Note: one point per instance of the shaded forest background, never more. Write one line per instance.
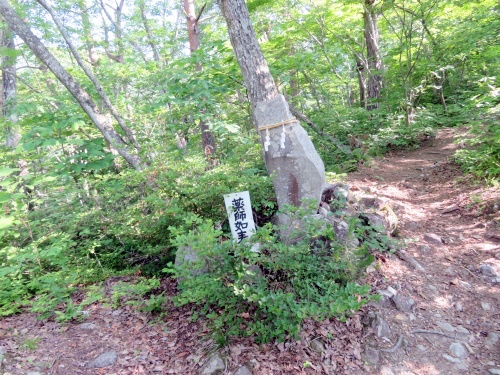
(365, 77)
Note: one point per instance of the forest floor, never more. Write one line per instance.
(448, 323)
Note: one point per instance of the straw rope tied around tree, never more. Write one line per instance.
(267, 142)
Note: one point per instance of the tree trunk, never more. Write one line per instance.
(9, 89)
(297, 170)
(360, 70)
(81, 96)
(88, 72)
(374, 86)
(207, 137)
(145, 23)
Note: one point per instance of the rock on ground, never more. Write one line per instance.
(458, 350)
(213, 366)
(243, 370)
(104, 360)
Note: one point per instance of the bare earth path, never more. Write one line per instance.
(446, 319)
(452, 228)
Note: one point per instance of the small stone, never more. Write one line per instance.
(372, 355)
(459, 307)
(243, 370)
(458, 350)
(433, 239)
(368, 201)
(488, 270)
(384, 301)
(33, 373)
(465, 284)
(377, 221)
(491, 340)
(424, 248)
(377, 323)
(317, 346)
(412, 317)
(323, 211)
(446, 326)
(403, 303)
(494, 371)
(463, 330)
(384, 370)
(432, 287)
(370, 269)
(486, 306)
(104, 360)
(214, 365)
(87, 326)
(385, 293)
(392, 291)
(421, 348)
(451, 359)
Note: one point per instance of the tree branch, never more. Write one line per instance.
(90, 75)
(318, 130)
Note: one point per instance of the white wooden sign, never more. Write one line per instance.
(239, 212)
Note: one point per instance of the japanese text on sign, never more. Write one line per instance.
(239, 213)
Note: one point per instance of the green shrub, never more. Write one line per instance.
(269, 292)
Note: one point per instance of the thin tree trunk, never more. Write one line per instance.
(91, 76)
(374, 86)
(207, 137)
(151, 42)
(9, 90)
(81, 96)
(360, 70)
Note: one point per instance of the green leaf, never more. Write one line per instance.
(7, 171)
(6, 221)
(5, 197)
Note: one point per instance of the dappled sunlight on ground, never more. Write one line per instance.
(449, 228)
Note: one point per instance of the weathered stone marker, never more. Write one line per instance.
(239, 213)
(296, 169)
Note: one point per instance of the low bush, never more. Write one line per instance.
(268, 292)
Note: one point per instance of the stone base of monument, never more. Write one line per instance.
(339, 209)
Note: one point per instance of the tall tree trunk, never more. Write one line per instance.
(82, 97)
(151, 41)
(297, 170)
(374, 86)
(207, 137)
(258, 80)
(360, 70)
(9, 89)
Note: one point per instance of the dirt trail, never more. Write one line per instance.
(451, 229)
